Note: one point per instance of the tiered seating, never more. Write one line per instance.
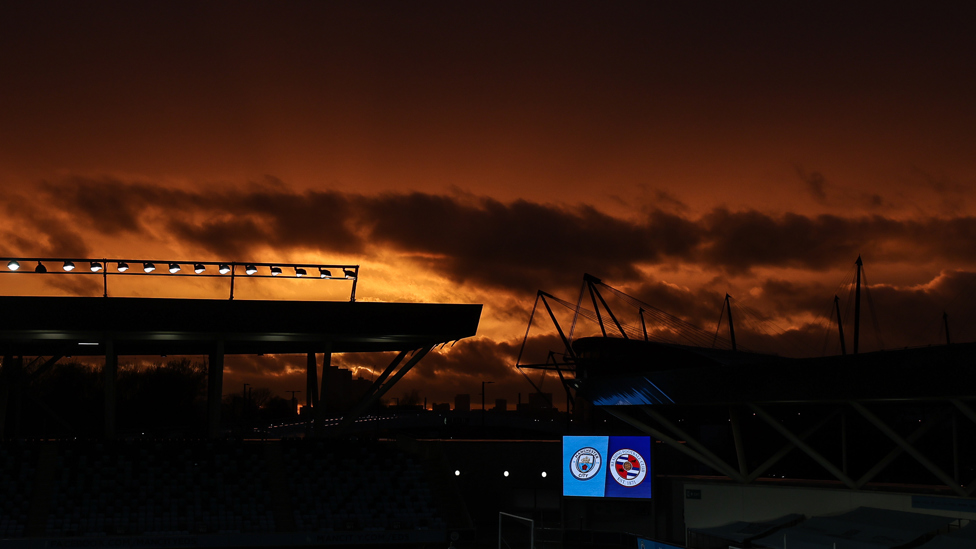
(17, 468)
(369, 487)
(151, 487)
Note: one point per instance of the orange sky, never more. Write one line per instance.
(479, 152)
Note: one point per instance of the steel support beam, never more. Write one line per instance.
(109, 378)
(645, 428)
(724, 467)
(43, 368)
(320, 408)
(311, 381)
(898, 450)
(909, 449)
(368, 401)
(966, 410)
(799, 443)
(789, 447)
(740, 444)
(215, 388)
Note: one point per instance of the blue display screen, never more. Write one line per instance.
(607, 466)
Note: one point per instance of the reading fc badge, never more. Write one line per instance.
(629, 468)
(585, 463)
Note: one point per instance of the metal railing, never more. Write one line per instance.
(106, 267)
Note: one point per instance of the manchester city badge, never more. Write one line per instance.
(585, 463)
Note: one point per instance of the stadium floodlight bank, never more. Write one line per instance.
(106, 267)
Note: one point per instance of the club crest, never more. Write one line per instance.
(629, 468)
(585, 463)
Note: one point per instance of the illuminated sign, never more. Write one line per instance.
(607, 466)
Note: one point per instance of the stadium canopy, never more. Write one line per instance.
(741, 532)
(114, 326)
(963, 538)
(864, 527)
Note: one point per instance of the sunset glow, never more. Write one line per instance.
(477, 153)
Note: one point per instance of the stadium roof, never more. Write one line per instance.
(629, 372)
(145, 326)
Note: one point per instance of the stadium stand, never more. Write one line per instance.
(101, 488)
(17, 466)
(157, 487)
(366, 487)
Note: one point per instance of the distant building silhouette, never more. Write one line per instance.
(501, 405)
(462, 403)
(441, 407)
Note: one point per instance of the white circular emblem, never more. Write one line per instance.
(628, 467)
(585, 463)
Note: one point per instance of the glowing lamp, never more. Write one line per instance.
(174, 267)
(122, 266)
(250, 269)
(148, 267)
(275, 271)
(300, 272)
(223, 268)
(95, 266)
(325, 273)
(68, 266)
(199, 268)
(13, 265)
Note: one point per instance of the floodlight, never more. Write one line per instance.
(325, 273)
(250, 269)
(13, 265)
(300, 272)
(223, 268)
(457, 473)
(68, 266)
(95, 266)
(349, 273)
(40, 268)
(543, 474)
(174, 267)
(198, 268)
(275, 271)
(122, 266)
(148, 267)
(505, 473)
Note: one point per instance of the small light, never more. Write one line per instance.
(68, 266)
(299, 272)
(349, 273)
(223, 268)
(95, 266)
(275, 271)
(543, 474)
(40, 268)
(199, 268)
(325, 273)
(148, 267)
(174, 267)
(457, 473)
(250, 269)
(13, 265)
(505, 473)
(122, 266)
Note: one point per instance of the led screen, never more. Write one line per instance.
(607, 466)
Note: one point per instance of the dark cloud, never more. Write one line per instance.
(815, 184)
(519, 245)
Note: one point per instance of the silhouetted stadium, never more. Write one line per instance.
(868, 450)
